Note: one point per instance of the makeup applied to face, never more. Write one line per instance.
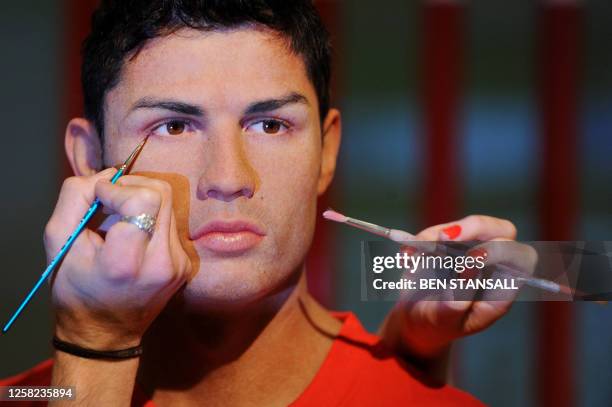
(235, 130)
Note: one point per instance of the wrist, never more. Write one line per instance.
(88, 353)
(97, 338)
(93, 378)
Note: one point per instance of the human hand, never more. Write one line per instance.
(425, 328)
(108, 290)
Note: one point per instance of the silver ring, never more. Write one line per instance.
(144, 222)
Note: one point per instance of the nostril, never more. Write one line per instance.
(212, 194)
(228, 197)
(247, 192)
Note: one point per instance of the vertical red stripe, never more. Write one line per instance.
(321, 259)
(443, 50)
(442, 79)
(78, 16)
(560, 54)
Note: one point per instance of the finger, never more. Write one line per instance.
(164, 254)
(473, 227)
(164, 190)
(128, 200)
(478, 227)
(76, 196)
(170, 263)
(519, 257)
(420, 247)
(108, 222)
(490, 305)
(509, 260)
(125, 244)
(425, 283)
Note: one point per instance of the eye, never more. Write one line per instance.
(268, 126)
(171, 128)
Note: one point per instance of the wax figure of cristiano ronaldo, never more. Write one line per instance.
(234, 95)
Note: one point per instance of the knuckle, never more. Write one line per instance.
(164, 186)
(71, 184)
(121, 273)
(476, 222)
(50, 232)
(144, 198)
(470, 217)
(118, 272)
(429, 234)
(165, 190)
(149, 196)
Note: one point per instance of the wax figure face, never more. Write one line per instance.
(236, 131)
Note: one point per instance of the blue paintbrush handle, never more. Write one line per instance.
(60, 255)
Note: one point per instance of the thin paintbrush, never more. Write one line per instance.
(59, 256)
(400, 236)
(394, 234)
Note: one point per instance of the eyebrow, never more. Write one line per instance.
(193, 110)
(171, 105)
(273, 104)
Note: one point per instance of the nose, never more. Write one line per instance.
(227, 174)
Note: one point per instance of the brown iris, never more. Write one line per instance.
(175, 127)
(271, 126)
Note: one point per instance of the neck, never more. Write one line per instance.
(265, 353)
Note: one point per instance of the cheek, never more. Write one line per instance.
(289, 191)
(115, 151)
(291, 173)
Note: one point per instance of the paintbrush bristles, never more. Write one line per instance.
(330, 214)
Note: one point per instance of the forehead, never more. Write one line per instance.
(226, 67)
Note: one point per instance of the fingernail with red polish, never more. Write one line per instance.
(409, 250)
(478, 252)
(470, 273)
(474, 271)
(452, 231)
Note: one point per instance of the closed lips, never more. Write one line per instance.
(228, 236)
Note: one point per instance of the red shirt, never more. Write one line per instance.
(358, 371)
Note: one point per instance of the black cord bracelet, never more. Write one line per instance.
(75, 350)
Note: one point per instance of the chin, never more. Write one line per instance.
(231, 283)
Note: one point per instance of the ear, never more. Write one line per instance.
(83, 147)
(332, 132)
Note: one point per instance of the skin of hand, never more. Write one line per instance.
(424, 329)
(91, 290)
